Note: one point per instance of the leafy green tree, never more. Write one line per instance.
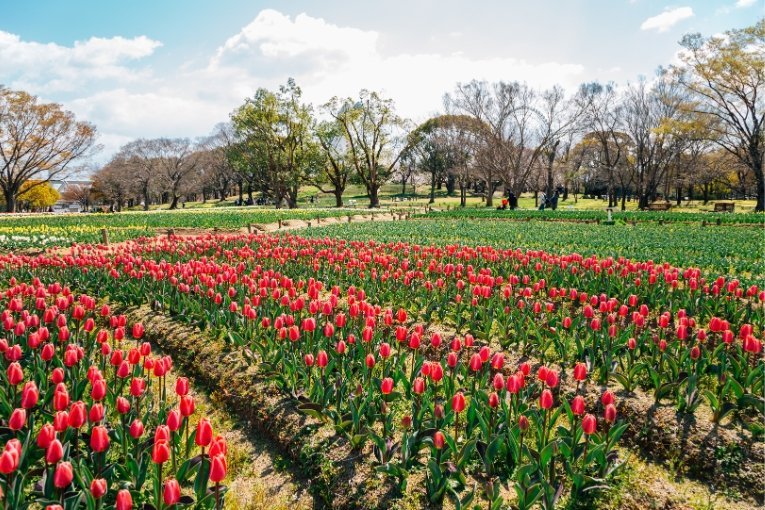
(276, 144)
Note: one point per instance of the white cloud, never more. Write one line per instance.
(667, 19)
(745, 3)
(106, 82)
(48, 68)
(328, 60)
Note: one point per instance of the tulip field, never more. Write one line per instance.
(472, 364)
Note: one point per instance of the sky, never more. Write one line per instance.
(175, 68)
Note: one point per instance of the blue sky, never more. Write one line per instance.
(175, 68)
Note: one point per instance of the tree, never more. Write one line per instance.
(275, 134)
(218, 172)
(80, 193)
(38, 142)
(38, 195)
(374, 134)
(656, 121)
(335, 167)
(726, 76)
(136, 159)
(602, 116)
(113, 182)
(175, 161)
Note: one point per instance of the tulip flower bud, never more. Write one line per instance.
(589, 424)
(439, 440)
(124, 500)
(98, 488)
(172, 492)
(63, 475)
(218, 468)
(546, 400)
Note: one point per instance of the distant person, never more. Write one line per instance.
(554, 201)
(542, 201)
(513, 201)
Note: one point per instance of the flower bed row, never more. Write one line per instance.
(87, 418)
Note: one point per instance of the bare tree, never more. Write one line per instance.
(113, 182)
(374, 134)
(654, 122)
(38, 142)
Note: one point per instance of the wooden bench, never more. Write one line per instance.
(725, 206)
(659, 206)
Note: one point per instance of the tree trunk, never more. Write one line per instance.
(624, 199)
(403, 187)
(10, 200)
(450, 185)
(374, 199)
(146, 198)
(758, 178)
(705, 193)
(490, 187)
(338, 197)
(432, 189)
(174, 202)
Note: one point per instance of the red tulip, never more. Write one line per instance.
(386, 386)
(160, 452)
(493, 400)
(124, 500)
(475, 363)
(186, 405)
(523, 423)
(589, 424)
(610, 413)
(9, 462)
(63, 475)
(46, 435)
(137, 386)
(419, 386)
(204, 433)
(29, 395)
(98, 488)
(99, 439)
(96, 413)
(18, 419)
(77, 415)
(458, 402)
(552, 378)
(54, 452)
(123, 405)
(136, 429)
(546, 399)
(181, 386)
(438, 439)
(577, 405)
(580, 372)
(138, 330)
(607, 398)
(172, 492)
(14, 373)
(218, 469)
